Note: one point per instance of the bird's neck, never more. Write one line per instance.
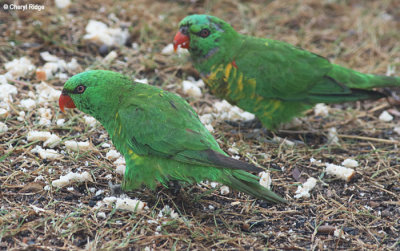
(223, 53)
(105, 106)
(110, 119)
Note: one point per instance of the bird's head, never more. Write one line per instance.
(93, 92)
(204, 35)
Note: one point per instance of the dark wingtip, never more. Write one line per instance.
(241, 182)
(368, 94)
(228, 162)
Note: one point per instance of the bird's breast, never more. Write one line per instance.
(228, 82)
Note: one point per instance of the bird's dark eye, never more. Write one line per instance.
(204, 33)
(80, 89)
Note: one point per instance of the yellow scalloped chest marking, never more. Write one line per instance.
(132, 154)
(234, 80)
(270, 107)
(212, 78)
(115, 128)
(251, 84)
(276, 104)
(240, 82)
(228, 69)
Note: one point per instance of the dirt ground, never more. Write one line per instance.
(365, 212)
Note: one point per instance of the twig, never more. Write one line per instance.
(19, 82)
(388, 141)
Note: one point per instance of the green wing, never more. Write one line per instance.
(288, 73)
(159, 123)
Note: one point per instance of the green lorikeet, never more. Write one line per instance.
(272, 79)
(159, 134)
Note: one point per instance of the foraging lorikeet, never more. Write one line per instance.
(272, 79)
(159, 134)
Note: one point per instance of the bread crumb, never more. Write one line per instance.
(265, 179)
(341, 172)
(304, 190)
(77, 146)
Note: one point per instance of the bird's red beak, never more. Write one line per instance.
(65, 101)
(181, 40)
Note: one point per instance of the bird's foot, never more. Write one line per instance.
(393, 96)
(115, 189)
(249, 124)
(174, 186)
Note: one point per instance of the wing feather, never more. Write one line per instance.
(162, 124)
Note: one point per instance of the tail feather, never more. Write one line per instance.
(358, 80)
(248, 183)
(353, 95)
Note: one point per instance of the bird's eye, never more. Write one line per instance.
(80, 89)
(204, 33)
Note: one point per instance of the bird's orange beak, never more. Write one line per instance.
(181, 40)
(65, 101)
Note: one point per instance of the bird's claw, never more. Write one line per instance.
(249, 124)
(115, 189)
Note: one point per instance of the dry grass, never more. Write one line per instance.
(363, 35)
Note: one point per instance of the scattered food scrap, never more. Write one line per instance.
(385, 117)
(52, 141)
(169, 50)
(123, 203)
(46, 93)
(18, 67)
(90, 121)
(265, 179)
(341, 172)
(71, 178)
(38, 135)
(76, 146)
(120, 165)
(333, 138)
(111, 56)
(321, 109)
(61, 4)
(113, 154)
(304, 190)
(130, 204)
(191, 89)
(224, 190)
(3, 127)
(28, 103)
(99, 32)
(225, 111)
(350, 163)
(46, 153)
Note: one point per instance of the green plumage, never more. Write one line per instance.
(159, 134)
(272, 79)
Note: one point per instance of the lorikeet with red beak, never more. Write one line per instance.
(272, 79)
(159, 134)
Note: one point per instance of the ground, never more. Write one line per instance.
(363, 35)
